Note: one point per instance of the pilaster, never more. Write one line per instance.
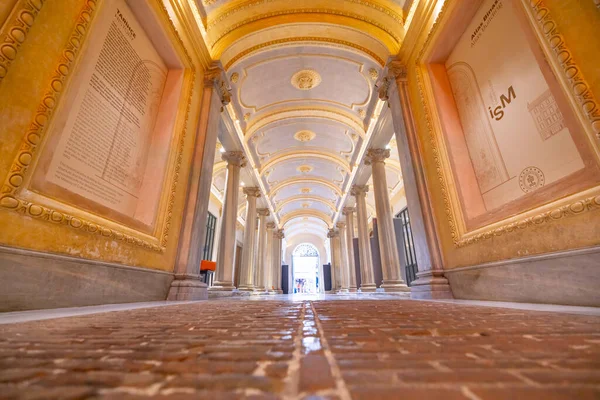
(349, 214)
(431, 282)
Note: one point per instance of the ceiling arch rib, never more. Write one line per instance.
(227, 25)
(289, 200)
(305, 154)
(306, 180)
(306, 213)
(345, 118)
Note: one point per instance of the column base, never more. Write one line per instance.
(430, 285)
(246, 288)
(187, 288)
(343, 291)
(353, 290)
(394, 286)
(368, 288)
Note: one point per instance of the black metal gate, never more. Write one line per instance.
(209, 241)
(411, 258)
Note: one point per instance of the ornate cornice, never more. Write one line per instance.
(252, 192)
(396, 71)
(376, 155)
(341, 225)
(236, 158)
(279, 234)
(16, 29)
(359, 190)
(332, 233)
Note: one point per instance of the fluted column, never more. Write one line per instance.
(277, 238)
(259, 268)
(247, 265)
(226, 250)
(269, 279)
(344, 265)
(364, 244)
(431, 282)
(332, 234)
(388, 248)
(349, 214)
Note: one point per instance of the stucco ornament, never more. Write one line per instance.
(306, 79)
(305, 136)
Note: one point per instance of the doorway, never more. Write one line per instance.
(305, 267)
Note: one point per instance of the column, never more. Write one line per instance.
(259, 268)
(277, 238)
(430, 282)
(364, 244)
(226, 250)
(332, 234)
(187, 285)
(269, 279)
(344, 265)
(349, 214)
(247, 264)
(390, 260)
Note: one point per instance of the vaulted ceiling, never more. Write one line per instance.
(302, 75)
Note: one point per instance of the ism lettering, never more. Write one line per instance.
(498, 112)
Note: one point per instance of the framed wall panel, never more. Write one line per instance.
(516, 146)
(104, 151)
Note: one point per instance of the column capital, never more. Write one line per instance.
(332, 233)
(279, 234)
(214, 76)
(396, 71)
(348, 211)
(359, 190)
(376, 155)
(252, 192)
(341, 225)
(271, 225)
(236, 158)
(263, 212)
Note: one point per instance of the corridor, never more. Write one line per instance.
(302, 347)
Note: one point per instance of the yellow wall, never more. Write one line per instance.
(578, 23)
(21, 92)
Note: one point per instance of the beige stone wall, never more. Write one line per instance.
(47, 50)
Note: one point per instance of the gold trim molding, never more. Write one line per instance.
(580, 89)
(15, 30)
(302, 40)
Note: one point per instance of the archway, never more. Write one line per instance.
(305, 267)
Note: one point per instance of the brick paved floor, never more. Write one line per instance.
(359, 349)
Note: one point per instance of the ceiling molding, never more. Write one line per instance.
(302, 41)
(347, 119)
(304, 197)
(292, 155)
(306, 213)
(381, 31)
(306, 180)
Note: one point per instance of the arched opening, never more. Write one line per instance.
(305, 267)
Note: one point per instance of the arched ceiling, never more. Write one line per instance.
(302, 75)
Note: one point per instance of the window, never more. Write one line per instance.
(209, 242)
